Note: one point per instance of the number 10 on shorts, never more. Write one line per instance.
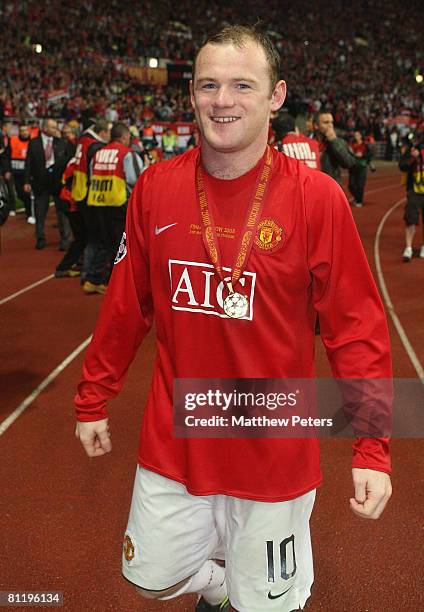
(287, 558)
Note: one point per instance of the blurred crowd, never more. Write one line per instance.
(357, 60)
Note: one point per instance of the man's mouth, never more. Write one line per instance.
(224, 119)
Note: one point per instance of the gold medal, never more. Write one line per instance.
(236, 305)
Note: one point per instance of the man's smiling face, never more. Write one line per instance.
(233, 96)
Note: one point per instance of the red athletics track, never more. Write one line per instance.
(63, 514)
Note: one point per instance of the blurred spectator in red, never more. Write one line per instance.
(291, 142)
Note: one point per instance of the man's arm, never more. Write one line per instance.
(27, 169)
(125, 318)
(341, 152)
(133, 167)
(353, 324)
(5, 161)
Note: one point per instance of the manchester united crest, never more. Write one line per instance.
(270, 236)
(128, 548)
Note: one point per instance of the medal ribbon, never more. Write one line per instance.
(250, 226)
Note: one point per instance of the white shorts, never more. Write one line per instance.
(266, 546)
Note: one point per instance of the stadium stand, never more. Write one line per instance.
(81, 60)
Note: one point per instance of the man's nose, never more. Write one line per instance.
(224, 97)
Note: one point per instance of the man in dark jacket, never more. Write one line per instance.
(358, 173)
(335, 153)
(44, 165)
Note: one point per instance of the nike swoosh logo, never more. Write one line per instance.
(159, 230)
(271, 596)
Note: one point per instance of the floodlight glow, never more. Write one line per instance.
(153, 62)
(38, 48)
(419, 78)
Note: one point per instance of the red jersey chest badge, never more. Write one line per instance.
(270, 236)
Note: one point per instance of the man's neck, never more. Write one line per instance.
(230, 165)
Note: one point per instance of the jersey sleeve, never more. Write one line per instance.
(125, 318)
(352, 319)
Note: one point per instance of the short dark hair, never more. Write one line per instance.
(101, 125)
(317, 114)
(118, 130)
(238, 35)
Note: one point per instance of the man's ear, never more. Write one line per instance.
(278, 95)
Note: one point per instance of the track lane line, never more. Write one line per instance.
(389, 304)
(21, 291)
(8, 421)
(382, 188)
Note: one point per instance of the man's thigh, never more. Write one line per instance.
(268, 554)
(170, 533)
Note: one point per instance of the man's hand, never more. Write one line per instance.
(372, 492)
(95, 437)
(27, 188)
(330, 133)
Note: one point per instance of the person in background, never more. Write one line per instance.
(34, 129)
(335, 153)
(169, 143)
(71, 263)
(18, 151)
(5, 166)
(411, 162)
(309, 127)
(148, 136)
(290, 141)
(69, 133)
(194, 139)
(44, 166)
(90, 141)
(358, 172)
(137, 146)
(136, 143)
(113, 174)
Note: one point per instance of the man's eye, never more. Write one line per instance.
(243, 86)
(208, 86)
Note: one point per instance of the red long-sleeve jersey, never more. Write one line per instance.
(306, 258)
